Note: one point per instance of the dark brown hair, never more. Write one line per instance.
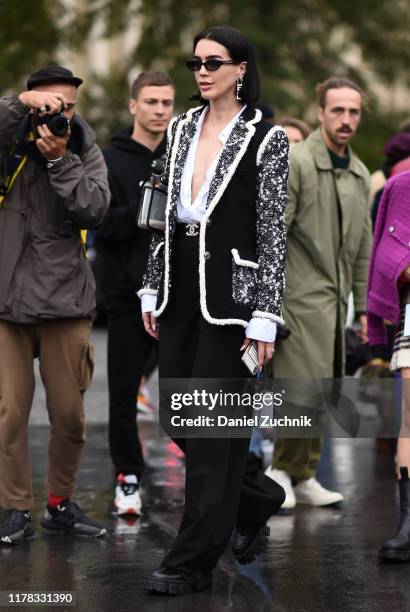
(151, 77)
(300, 125)
(336, 83)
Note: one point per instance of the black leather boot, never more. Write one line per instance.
(248, 545)
(170, 582)
(398, 548)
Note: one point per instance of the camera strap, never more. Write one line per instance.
(16, 162)
(83, 236)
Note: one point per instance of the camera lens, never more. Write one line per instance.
(58, 125)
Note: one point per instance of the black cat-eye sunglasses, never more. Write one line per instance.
(211, 65)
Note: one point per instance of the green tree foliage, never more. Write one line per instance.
(29, 37)
(297, 44)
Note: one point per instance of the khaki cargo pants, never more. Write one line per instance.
(66, 365)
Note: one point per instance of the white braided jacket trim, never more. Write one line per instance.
(267, 315)
(262, 146)
(158, 248)
(180, 125)
(250, 125)
(146, 291)
(246, 263)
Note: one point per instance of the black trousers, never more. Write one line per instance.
(130, 349)
(215, 467)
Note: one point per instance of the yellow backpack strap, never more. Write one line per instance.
(83, 234)
(9, 182)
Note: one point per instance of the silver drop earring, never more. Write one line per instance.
(239, 84)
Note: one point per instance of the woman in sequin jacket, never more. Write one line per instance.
(215, 282)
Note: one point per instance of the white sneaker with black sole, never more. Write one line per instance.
(127, 500)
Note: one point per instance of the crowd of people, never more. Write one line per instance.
(268, 231)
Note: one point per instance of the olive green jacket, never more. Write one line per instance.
(328, 249)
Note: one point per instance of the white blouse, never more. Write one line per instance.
(188, 211)
(258, 328)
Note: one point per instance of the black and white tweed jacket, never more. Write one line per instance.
(242, 238)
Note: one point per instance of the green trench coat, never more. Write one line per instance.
(326, 259)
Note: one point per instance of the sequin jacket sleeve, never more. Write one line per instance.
(151, 279)
(270, 225)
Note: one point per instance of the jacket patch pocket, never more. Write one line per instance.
(394, 246)
(86, 367)
(244, 280)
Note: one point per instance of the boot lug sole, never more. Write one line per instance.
(167, 587)
(394, 556)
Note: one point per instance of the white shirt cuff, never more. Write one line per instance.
(148, 302)
(260, 328)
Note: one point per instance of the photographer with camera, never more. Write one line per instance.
(53, 182)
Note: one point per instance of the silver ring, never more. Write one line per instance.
(42, 109)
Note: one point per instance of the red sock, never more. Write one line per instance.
(55, 500)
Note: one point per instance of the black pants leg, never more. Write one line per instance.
(129, 347)
(215, 467)
(152, 361)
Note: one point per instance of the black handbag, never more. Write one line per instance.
(151, 212)
(154, 195)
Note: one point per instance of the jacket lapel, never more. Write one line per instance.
(344, 187)
(183, 137)
(232, 154)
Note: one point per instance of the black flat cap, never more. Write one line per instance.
(52, 74)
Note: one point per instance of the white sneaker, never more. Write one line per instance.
(127, 526)
(145, 404)
(312, 493)
(284, 481)
(127, 496)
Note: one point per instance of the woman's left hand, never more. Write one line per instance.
(265, 350)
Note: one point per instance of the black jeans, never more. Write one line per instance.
(130, 349)
(189, 347)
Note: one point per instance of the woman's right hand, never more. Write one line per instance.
(150, 324)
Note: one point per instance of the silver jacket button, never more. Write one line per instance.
(207, 255)
(391, 229)
(209, 222)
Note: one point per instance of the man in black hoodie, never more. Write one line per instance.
(123, 249)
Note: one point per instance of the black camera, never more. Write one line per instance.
(57, 123)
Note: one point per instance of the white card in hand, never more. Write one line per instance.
(406, 331)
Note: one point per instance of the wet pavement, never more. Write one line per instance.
(317, 559)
